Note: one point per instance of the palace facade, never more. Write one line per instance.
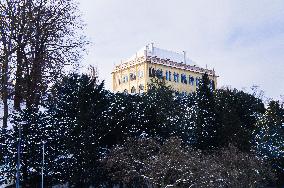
(182, 74)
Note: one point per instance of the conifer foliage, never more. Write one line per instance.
(76, 105)
(269, 136)
(206, 123)
(237, 114)
(93, 137)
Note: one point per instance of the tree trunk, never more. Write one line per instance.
(18, 85)
(5, 90)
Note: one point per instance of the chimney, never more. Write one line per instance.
(184, 57)
(146, 51)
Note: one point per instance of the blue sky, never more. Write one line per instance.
(242, 40)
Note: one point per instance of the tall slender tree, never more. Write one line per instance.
(269, 137)
(46, 35)
(206, 124)
(7, 48)
(39, 38)
(237, 113)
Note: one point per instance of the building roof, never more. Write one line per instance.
(165, 57)
(151, 51)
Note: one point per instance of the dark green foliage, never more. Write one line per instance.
(31, 129)
(76, 106)
(81, 122)
(160, 111)
(269, 137)
(206, 123)
(157, 113)
(120, 119)
(237, 113)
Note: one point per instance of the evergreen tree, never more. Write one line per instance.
(120, 119)
(237, 113)
(31, 130)
(161, 111)
(206, 124)
(70, 128)
(269, 137)
(76, 105)
(186, 117)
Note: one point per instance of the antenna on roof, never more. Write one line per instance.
(184, 57)
(152, 46)
(146, 51)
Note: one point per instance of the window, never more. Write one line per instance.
(153, 72)
(141, 88)
(125, 79)
(132, 76)
(167, 75)
(197, 81)
(191, 80)
(183, 78)
(133, 90)
(213, 85)
(170, 75)
(140, 74)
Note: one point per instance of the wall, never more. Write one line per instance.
(145, 79)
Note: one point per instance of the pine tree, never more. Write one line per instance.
(31, 130)
(237, 113)
(269, 136)
(76, 105)
(161, 111)
(186, 117)
(206, 124)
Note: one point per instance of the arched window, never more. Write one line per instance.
(133, 90)
(140, 74)
(159, 73)
(132, 76)
(213, 85)
(141, 88)
(167, 75)
(153, 72)
(192, 80)
(175, 77)
(197, 81)
(183, 78)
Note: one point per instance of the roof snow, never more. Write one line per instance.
(152, 51)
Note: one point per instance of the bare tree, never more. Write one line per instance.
(38, 39)
(147, 163)
(7, 28)
(53, 42)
